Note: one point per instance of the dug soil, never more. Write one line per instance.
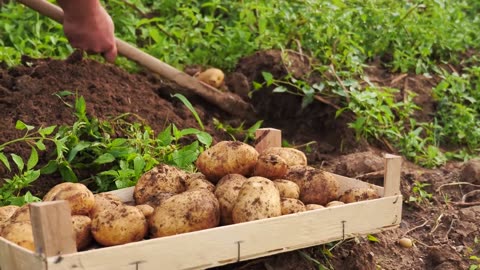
(443, 232)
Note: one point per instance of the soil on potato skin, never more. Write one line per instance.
(442, 232)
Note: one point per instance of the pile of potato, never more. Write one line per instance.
(234, 184)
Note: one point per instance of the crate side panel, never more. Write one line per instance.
(222, 245)
(346, 183)
(14, 257)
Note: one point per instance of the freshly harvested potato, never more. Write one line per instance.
(21, 214)
(185, 212)
(198, 180)
(78, 196)
(119, 225)
(298, 174)
(320, 187)
(146, 209)
(6, 212)
(19, 233)
(82, 226)
(212, 76)
(258, 199)
(313, 206)
(358, 194)
(291, 156)
(287, 188)
(227, 192)
(104, 201)
(157, 199)
(227, 157)
(270, 166)
(290, 206)
(334, 203)
(162, 178)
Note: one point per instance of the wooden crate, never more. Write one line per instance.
(211, 247)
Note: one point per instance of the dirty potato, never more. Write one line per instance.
(21, 214)
(291, 156)
(6, 212)
(313, 206)
(82, 228)
(104, 201)
(185, 212)
(78, 196)
(287, 188)
(359, 194)
(198, 180)
(298, 174)
(320, 187)
(270, 166)
(334, 203)
(19, 233)
(290, 206)
(227, 191)
(119, 225)
(258, 199)
(212, 76)
(227, 157)
(163, 178)
(146, 209)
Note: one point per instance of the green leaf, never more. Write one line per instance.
(46, 131)
(19, 161)
(80, 106)
(67, 173)
(205, 138)
(118, 142)
(280, 89)
(4, 160)
(186, 156)
(33, 159)
(105, 158)
(40, 145)
(138, 165)
(77, 148)
(372, 238)
(268, 77)
(165, 137)
(50, 168)
(20, 125)
(64, 93)
(191, 108)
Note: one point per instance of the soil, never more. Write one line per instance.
(443, 232)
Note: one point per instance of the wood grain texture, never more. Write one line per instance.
(267, 137)
(393, 168)
(15, 257)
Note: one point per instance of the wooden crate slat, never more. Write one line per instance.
(218, 246)
(14, 257)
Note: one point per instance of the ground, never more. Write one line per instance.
(444, 233)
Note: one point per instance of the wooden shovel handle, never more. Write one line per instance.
(228, 102)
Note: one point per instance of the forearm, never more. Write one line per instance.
(79, 9)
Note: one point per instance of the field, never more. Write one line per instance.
(345, 81)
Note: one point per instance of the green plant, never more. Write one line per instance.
(419, 194)
(235, 133)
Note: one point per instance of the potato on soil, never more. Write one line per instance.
(185, 212)
(6, 212)
(20, 233)
(78, 196)
(270, 166)
(334, 203)
(258, 199)
(290, 206)
(227, 191)
(212, 76)
(227, 157)
(82, 228)
(291, 156)
(358, 194)
(313, 206)
(119, 225)
(198, 180)
(146, 209)
(163, 178)
(287, 188)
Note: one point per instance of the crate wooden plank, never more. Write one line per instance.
(266, 138)
(227, 244)
(14, 257)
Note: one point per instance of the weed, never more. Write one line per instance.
(247, 135)
(419, 194)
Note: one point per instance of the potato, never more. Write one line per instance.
(104, 201)
(358, 194)
(334, 203)
(78, 196)
(258, 199)
(185, 212)
(119, 225)
(270, 166)
(21, 214)
(316, 186)
(291, 156)
(313, 206)
(163, 178)
(227, 157)
(212, 76)
(287, 188)
(157, 199)
(290, 206)
(82, 226)
(6, 212)
(146, 209)
(227, 192)
(19, 233)
(198, 180)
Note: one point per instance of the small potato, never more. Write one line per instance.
(198, 180)
(320, 187)
(290, 206)
(146, 209)
(104, 201)
(163, 178)
(78, 196)
(227, 157)
(258, 199)
(227, 191)
(19, 233)
(119, 225)
(334, 203)
(82, 226)
(270, 166)
(299, 173)
(359, 194)
(185, 212)
(291, 156)
(212, 76)
(312, 206)
(287, 188)
(6, 212)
